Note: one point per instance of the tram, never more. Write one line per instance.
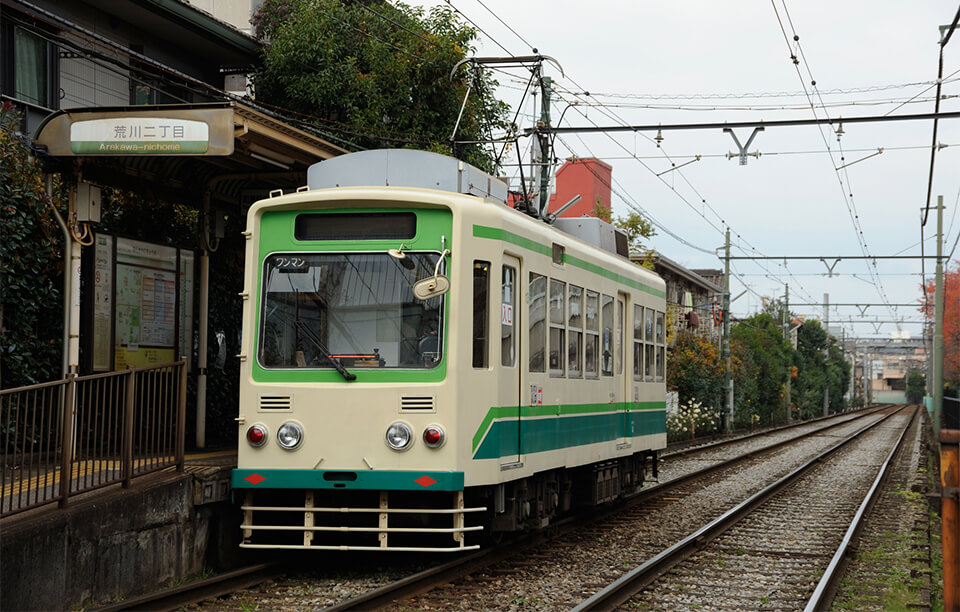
(424, 367)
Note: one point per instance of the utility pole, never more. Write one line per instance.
(545, 153)
(786, 335)
(826, 328)
(938, 323)
(843, 353)
(727, 380)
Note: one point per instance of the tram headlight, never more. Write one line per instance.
(290, 435)
(433, 436)
(257, 435)
(399, 436)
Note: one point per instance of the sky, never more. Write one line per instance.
(653, 63)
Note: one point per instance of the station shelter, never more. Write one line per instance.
(146, 97)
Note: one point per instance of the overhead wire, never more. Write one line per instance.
(757, 95)
(614, 117)
(933, 152)
(846, 191)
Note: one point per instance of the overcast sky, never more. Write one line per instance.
(708, 62)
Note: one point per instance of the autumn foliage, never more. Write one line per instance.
(951, 320)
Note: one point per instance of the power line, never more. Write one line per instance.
(846, 193)
(756, 95)
(738, 124)
(507, 25)
(760, 107)
(479, 29)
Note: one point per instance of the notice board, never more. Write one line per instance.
(143, 303)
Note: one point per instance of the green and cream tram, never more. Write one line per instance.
(423, 365)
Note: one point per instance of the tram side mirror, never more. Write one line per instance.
(431, 287)
(435, 285)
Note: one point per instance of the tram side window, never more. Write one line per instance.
(508, 309)
(661, 342)
(558, 322)
(481, 312)
(575, 332)
(637, 342)
(651, 347)
(591, 364)
(619, 337)
(606, 363)
(537, 306)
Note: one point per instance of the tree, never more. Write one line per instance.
(31, 265)
(951, 321)
(821, 365)
(767, 357)
(916, 387)
(694, 370)
(378, 75)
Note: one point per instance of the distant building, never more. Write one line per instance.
(590, 179)
(712, 275)
(692, 300)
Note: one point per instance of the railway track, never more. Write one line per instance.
(567, 564)
(573, 565)
(770, 550)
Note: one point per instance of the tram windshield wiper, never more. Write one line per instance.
(317, 342)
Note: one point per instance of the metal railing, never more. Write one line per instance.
(82, 433)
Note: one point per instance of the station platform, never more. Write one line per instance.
(115, 542)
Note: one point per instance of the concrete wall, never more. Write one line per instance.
(113, 544)
(890, 397)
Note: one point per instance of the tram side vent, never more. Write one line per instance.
(417, 402)
(276, 402)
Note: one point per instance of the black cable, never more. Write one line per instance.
(401, 26)
(522, 39)
(479, 29)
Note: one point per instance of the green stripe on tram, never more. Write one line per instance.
(495, 233)
(546, 428)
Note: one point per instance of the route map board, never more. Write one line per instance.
(136, 303)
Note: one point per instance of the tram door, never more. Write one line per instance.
(621, 373)
(509, 355)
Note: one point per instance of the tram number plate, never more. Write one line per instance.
(506, 314)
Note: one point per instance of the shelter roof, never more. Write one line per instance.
(244, 149)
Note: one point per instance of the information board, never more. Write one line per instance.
(143, 303)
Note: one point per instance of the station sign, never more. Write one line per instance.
(147, 131)
(139, 136)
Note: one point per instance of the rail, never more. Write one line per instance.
(622, 589)
(83, 433)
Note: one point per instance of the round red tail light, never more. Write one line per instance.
(257, 435)
(433, 436)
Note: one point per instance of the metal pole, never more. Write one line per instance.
(73, 348)
(545, 153)
(727, 380)
(202, 327)
(826, 362)
(66, 452)
(181, 412)
(202, 330)
(67, 249)
(786, 335)
(126, 446)
(938, 322)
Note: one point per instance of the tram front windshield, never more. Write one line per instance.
(355, 309)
